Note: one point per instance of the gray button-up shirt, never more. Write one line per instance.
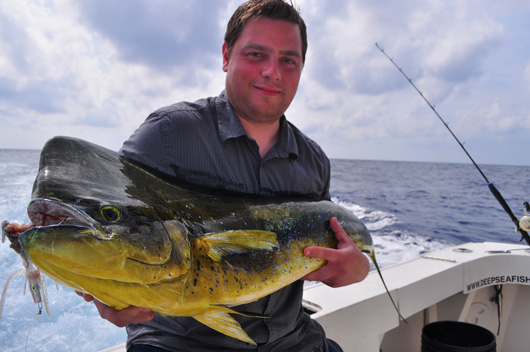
(203, 143)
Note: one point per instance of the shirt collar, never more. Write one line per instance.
(230, 127)
(286, 147)
(227, 120)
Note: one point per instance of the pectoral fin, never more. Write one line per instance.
(222, 322)
(237, 241)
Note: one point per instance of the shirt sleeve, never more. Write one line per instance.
(327, 178)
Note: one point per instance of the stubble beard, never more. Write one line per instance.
(258, 113)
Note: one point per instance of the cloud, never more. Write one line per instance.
(449, 49)
(526, 74)
(163, 35)
(461, 50)
(35, 96)
(57, 71)
(14, 51)
(96, 69)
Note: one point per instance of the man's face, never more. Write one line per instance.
(263, 69)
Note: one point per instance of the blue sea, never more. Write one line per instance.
(409, 207)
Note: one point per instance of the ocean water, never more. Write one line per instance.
(410, 208)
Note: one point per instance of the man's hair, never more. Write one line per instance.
(272, 9)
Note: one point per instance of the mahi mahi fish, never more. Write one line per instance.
(110, 227)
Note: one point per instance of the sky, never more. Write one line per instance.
(95, 69)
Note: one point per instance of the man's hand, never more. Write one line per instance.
(120, 318)
(345, 265)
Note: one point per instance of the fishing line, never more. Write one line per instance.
(6, 285)
(491, 186)
(31, 327)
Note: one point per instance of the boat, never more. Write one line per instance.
(454, 284)
(486, 285)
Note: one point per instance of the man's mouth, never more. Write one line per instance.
(269, 91)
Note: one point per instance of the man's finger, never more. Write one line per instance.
(318, 252)
(126, 316)
(86, 296)
(339, 232)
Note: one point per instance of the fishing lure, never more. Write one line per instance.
(34, 278)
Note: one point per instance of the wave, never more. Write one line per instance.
(392, 246)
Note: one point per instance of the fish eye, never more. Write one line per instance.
(110, 213)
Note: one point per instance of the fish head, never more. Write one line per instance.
(89, 226)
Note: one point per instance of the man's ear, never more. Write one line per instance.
(226, 58)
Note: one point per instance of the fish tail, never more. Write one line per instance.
(372, 255)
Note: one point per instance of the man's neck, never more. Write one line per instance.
(265, 134)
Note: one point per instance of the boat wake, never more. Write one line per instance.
(392, 246)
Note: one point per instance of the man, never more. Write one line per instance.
(241, 141)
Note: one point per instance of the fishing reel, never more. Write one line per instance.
(524, 222)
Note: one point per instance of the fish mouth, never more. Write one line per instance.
(51, 213)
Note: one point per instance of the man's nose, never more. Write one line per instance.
(271, 70)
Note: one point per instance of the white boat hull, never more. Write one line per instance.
(451, 284)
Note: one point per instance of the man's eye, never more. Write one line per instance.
(290, 62)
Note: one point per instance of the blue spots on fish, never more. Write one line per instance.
(239, 282)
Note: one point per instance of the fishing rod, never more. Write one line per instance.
(491, 186)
